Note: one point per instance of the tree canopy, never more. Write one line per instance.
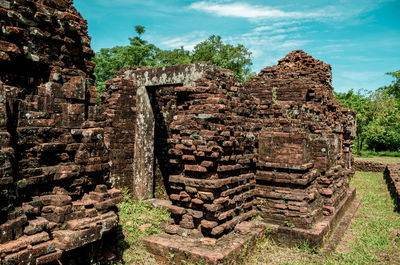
(141, 53)
(378, 116)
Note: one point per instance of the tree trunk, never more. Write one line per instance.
(358, 146)
(361, 145)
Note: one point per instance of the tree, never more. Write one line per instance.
(384, 128)
(236, 58)
(394, 88)
(378, 119)
(171, 57)
(110, 60)
(140, 29)
(360, 103)
(141, 53)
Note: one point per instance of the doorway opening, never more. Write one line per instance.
(156, 109)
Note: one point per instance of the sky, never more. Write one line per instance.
(360, 39)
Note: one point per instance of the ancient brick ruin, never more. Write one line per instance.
(53, 160)
(278, 146)
(392, 177)
(369, 166)
(304, 155)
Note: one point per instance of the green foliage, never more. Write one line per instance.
(110, 60)
(382, 154)
(140, 29)
(384, 128)
(171, 57)
(141, 53)
(394, 88)
(213, 50)
(378, 116)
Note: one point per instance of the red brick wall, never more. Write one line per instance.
(306, 138)
(280, 143)
(53, 160)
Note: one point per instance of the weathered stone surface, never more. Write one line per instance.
(280, 143)
(52, 150)
(304, 160)
(369, 166)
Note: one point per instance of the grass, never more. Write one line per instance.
(381, 159)
(381, 153)
(373, 237)
(134, 214)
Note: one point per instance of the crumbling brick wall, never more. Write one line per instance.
(304, 158)
(280, 143)
(392, 177)
(208, 144)
(53, 160)
(369, 166)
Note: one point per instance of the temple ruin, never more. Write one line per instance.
(278, 146)
(54, 163)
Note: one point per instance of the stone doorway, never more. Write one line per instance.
(156, 105)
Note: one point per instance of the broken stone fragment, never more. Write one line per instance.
(23, 242)
(244, 227)
(208, 241)
(187, 221)
(35, 226)
(208, 224)
(143, 227)
(172, 229)
(56, 200)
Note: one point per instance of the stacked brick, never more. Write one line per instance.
(213, 155)
(280, 143)
(369, 166)
(120, 111)
(204, 140)
(53, 160)
(304, 158)
(392, 176)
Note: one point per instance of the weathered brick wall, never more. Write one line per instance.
(280, 143)
(204, 140)
(213, 150)
(369, 166)
(53, 161)
(119, 105)
(392, 176)
(304, 159)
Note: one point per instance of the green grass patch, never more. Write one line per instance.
(133, 214)
(376, 227)
(381, 159)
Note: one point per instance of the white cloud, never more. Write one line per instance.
(188, 41)
(244, 10)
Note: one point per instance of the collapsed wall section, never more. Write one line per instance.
(306, 140)
(202, 132)
(280, 143)
(53, 161)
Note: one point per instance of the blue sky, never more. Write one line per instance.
(359, 38)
